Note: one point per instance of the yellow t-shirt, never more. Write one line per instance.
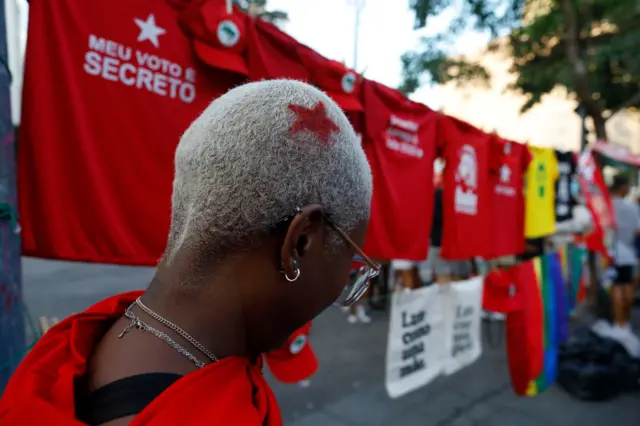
(540, 213)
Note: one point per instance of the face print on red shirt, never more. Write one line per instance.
(465, 150)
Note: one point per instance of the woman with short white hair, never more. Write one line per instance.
(270, 203)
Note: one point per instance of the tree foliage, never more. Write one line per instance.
(590, 47)
(258, 8)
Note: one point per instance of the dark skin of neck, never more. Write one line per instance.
(219, 324)
(240, 306)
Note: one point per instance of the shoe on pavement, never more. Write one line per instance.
(602, 328)
(625, 336)
(352, 319)
(621, 334)
(497, 316)
(361, 313)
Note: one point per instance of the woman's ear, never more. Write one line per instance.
(304, 230)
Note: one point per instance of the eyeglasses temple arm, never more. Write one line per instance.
(361, 253)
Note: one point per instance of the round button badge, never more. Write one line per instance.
(349, 82)
(228, 33)
(298, 344)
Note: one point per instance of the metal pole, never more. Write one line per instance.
(12, 329)
(359, 5)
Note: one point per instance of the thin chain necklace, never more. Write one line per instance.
(142, 326)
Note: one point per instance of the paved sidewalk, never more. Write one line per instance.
(349, 388)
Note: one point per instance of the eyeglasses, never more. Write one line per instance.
(360, 276)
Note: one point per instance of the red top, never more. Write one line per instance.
(41, 392)
(508, 162)
(338, 81)
(103, 122)
(465, 189)
(273, 54)
(400, 143)
(496, 294)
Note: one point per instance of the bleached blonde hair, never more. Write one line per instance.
(239, 169)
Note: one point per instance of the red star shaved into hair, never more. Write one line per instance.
(313, 119)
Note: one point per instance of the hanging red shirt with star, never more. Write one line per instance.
(508, 163)
(109, 88)
(465, 186)
(400, 143)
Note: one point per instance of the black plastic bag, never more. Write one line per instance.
(589, 381)
(593, 368)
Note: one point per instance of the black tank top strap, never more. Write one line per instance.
(122, 398)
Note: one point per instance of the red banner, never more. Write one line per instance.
(597, 199)
(617, 153)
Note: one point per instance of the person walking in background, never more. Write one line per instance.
(271, 200)
(622, 292)
(358, 312)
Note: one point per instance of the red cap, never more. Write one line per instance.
(219, 38)
(497, 292)
(295, 361)
(340, 83)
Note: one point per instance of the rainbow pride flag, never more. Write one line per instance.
(572, 259)
(559, 288)
(552, 286)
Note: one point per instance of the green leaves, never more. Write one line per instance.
(258, 8)
(532, 33)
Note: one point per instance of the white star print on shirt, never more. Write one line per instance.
(505, 173)
(149, 30)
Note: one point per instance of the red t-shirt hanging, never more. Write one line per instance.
(465, 189)
(400, 143)
(508, 163)
(339, 82)
(273, 54)
(109, 88)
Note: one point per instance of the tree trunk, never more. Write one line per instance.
(599, 126)
(579, 68)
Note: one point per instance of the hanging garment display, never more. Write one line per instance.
(273, 54)
(415, 344)
(466, 189)
(525, 327)
(463, 346)
(540, 216)
(339, 82)
(100, 126)
(400, 143)
(508, 162)
(598, 200)
(565, 198)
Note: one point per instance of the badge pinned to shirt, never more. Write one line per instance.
(298, 344)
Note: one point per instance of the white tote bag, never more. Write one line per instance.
(416, 340)
(463, 322)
